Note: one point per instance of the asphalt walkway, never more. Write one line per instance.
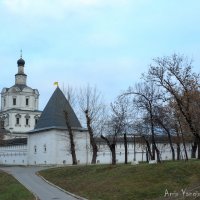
(44, 191)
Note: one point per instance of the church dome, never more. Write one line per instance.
(21, 62)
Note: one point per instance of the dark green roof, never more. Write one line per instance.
(53, 115)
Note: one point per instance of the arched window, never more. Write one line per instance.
(18, 116)
(36, 118)
(27, 117)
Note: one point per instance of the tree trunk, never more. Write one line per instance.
(112, 149)
(154, 146)
(184, 146)
(173, 152)
(198, 146)
(178, 151)
(153, 151)
(126, 149)
(94, 154)
(171, 145)
(73, 152)
(72, 144)
(194, 149)
(92, 140)
(148, 147)
(157, 154)
(147, 155)
(169, 138)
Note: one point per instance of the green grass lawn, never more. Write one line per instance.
(141, 181)
(11, 189)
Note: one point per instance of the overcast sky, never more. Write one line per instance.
(105, 43)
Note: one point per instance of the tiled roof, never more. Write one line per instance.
(53, 114)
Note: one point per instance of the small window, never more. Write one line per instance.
(36, 117)
(45, 148)
(27, 101)
(14, 101)
(27, 117)
(4, 102)
(35, 149)
(17, 120)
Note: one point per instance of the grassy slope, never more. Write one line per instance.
(125, 181)
(11, 189)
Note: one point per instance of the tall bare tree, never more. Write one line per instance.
(142, 129)
(164, 119)
(112, 130)
(174, 74)
(122, 117)
(92, 106)
(146, 99)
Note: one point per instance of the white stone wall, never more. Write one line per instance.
(13, 155)
(53, 148)
(36, 147)
(139, 153)
(57, 147)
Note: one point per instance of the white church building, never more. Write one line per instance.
(32, 137)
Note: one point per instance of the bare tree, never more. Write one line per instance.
(93, 108)
(122, 118)
(180, 128)
(146, 99)
(174, 74)
(112, 129)
(141, 128)
(164, 119)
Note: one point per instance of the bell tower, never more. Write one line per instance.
(20, 77)
(19, 104)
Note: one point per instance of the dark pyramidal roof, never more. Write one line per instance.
(53, 115)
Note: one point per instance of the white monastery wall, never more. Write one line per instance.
(13, 155)
(53, 147)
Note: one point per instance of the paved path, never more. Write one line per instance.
(27, 176)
